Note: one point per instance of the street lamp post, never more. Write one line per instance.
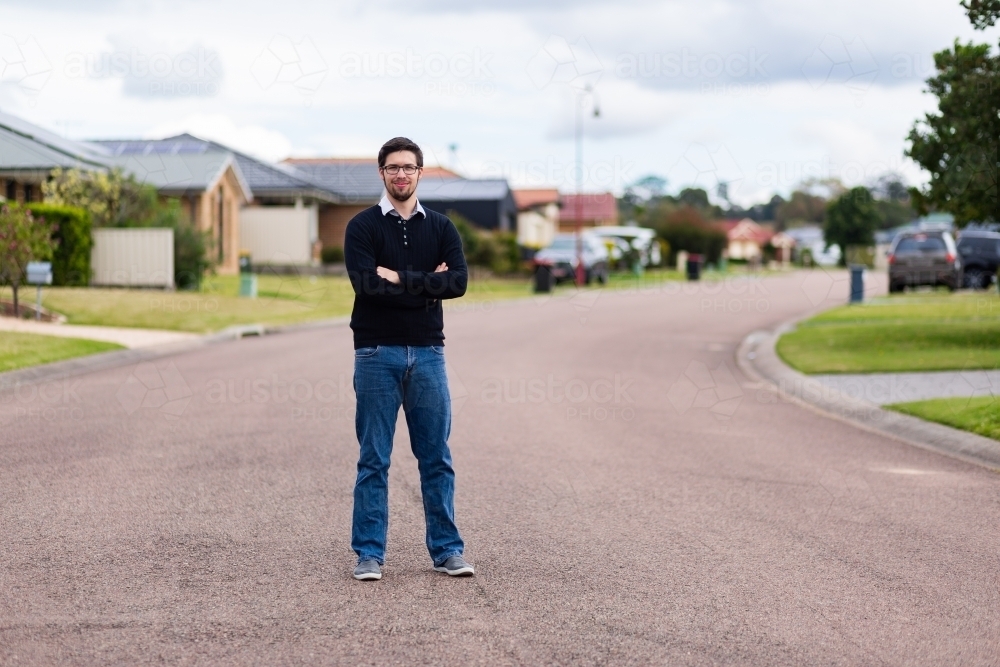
(581, 273)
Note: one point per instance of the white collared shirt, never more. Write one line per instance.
(388, 209)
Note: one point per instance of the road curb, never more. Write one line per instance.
(758, 359)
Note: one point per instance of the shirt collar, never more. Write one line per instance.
(387, 208)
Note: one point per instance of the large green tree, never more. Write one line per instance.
(960, 144)
(851, 220)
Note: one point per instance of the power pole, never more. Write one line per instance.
(581, 272)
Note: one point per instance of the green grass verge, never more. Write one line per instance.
(980, 414)
(281, 300)
(912, 332)
(20, 350)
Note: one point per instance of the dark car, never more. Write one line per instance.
(980, 252)
(561, 258)
(924, 258)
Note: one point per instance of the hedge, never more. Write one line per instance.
(71, 259)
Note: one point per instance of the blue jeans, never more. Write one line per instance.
(386, 377)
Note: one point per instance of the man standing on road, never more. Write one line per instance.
(402, 260)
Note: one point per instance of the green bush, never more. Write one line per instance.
(694, 237)
(332, 255)
(496, 251)
(71, 258)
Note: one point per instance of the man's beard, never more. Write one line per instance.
(401, 195)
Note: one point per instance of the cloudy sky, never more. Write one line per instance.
(759, 94)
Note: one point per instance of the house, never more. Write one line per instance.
(208, 183)
(590, 210)
(746, 239)
(28, 154)
(278, 224)
(537, 216)
(810, 239)
(356, 183)
(487, 203)
(783, 245)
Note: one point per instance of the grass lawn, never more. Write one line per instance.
(923, 331)
(281, 300)
(19, 350)
(980, 414)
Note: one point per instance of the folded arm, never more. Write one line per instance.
(359, 256)
(451, 278)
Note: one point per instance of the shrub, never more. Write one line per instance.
(332, 255)
(71, 258)
(496, 251)
(685, 229)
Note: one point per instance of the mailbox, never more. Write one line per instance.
(39, 273)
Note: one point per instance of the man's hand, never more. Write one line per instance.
(389, 275)
(441, 267)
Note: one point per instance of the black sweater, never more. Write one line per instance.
(409, 313)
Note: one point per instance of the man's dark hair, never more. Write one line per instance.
(400, 144)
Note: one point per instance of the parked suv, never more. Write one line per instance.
(924, 258)
(561, 257)
(980, 253)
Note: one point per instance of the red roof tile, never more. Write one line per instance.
(525, 199)
(601, 207)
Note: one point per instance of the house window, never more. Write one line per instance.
(11, 191)
(29, 192)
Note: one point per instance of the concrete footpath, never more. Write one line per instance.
(889, 388)
(127, 337)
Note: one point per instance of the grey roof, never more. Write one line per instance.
(462, 189)
(263, 179)
(355, 181)
(180, 173)
(27, 147)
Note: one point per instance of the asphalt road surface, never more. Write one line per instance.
(639, 501)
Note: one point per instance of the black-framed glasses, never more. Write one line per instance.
(393, 169)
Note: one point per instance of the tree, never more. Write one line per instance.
(686, 229)
(23, 238)
(960, 145)
(802, 207)
(982, 13)
(112, 198)
(851, 219)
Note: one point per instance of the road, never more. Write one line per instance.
(639, 502)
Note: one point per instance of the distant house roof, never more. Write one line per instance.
(748, 230)
(529, 198)
(264, 180)
(354, 180)
(177, 174)
(438, 172)
(28, 149)
(601, 206)
(459, 189)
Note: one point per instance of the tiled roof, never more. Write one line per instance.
(601, 206)
(458, 189)
(355, 181)
(29, 147)
(525, 199)
(263, 178)
(178, 173)
(748, 230)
